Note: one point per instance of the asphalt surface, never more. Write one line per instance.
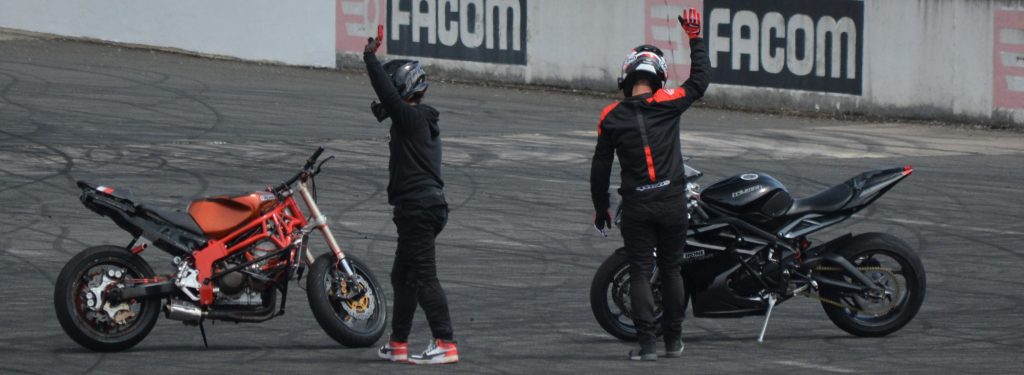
(518, 254)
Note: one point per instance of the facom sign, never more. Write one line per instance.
(492, 31)
(813, 45)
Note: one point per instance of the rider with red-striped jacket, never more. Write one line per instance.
(643, 130)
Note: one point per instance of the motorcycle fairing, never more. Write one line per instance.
(828, 200)
(709, 278)
(140, 221)
(869, 186)
(718, 300)
(218, 216)
(852, 195)
(119, 193)
(757, 197)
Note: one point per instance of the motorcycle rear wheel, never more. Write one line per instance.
(888, 256)
(355, 322)
(610, 302)
(74, 289)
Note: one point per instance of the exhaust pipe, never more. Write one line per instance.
(183, 312)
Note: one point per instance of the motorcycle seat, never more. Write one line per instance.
(179, 219)
(826, 201)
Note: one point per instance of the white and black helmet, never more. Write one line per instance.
(408, 77)
(643, 60)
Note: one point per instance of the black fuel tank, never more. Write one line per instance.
(756, 196)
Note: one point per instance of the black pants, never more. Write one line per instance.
(646, 225)
(414, 274)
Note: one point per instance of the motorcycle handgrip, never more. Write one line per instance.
(309, 164)
(312, 159)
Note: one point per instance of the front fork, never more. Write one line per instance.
(320, 222)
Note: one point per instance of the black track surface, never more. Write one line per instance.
(518, 253)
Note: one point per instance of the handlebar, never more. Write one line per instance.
(305, 170)
(312, 159)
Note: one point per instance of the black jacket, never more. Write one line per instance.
(415, 164)
(643, 130)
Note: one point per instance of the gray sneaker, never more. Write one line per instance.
(643, 355)
(674, 348)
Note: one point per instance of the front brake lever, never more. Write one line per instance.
(321, 164)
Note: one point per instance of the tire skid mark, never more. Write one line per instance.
(28, 262)
(218, 117)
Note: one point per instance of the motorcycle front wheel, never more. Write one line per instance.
(85, 314)
(353, 313)
(892, 265)
(610, 298)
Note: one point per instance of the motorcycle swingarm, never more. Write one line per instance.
(151, 290)
(846, 267)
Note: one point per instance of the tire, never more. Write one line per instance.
(87, 327)
(363, 323)
(870, 250)
(609, 298)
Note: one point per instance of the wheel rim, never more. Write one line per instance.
(365, 314)
(620, 303)
(94, 313)
(888, 271)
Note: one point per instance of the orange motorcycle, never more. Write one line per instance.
(234, 256)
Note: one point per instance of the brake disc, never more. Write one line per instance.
(119, 313)
(361, 307)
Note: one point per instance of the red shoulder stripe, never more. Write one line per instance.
(604, 113)
(664, 95)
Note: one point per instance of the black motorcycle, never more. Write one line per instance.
(747, 250)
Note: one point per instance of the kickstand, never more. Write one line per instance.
(202, 331)
(767, 315)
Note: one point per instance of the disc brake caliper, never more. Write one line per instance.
(355, 298)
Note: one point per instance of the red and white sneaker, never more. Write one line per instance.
(394, 351)
(439, 352)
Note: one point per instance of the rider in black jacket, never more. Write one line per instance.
(643, 129)
(416, 191)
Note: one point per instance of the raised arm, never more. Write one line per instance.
(699, 63)
(379, 79)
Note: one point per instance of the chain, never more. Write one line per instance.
(888, 271)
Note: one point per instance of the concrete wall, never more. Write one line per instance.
(570, 43)
(935, 58)
(290, 32)
(960, 60)
(928, 59)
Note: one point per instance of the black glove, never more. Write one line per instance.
(602, 221)
(378, 111)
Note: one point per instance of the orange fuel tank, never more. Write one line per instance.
(218, 216)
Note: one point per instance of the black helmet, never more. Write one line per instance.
(643, 60)
(407, 76)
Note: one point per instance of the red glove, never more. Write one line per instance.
(372, 45)
(690, 20)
